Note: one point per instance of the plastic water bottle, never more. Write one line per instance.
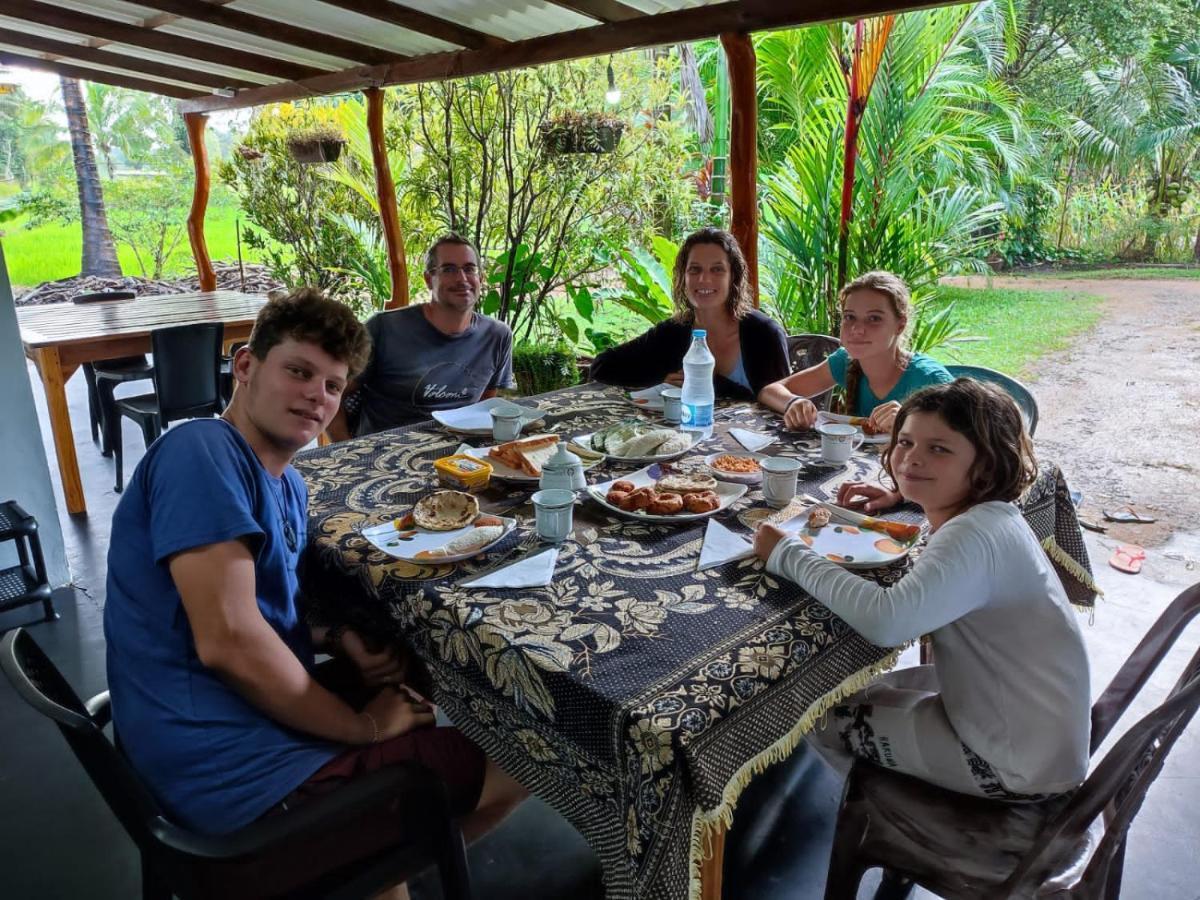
(698, 396)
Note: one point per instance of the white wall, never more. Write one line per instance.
(24, 473)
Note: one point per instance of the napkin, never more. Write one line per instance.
(651, 397)
(751, 440)
(721, 546)
(532, 571)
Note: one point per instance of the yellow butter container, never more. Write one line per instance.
(462, 472)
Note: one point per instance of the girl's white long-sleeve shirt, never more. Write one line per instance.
(1008, 652)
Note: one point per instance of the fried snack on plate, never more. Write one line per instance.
(640, 499)
(686, 483)
(701, 501)
(818, 517)
(623, 485)
(665, 505)
(616, 498)
(445, 510)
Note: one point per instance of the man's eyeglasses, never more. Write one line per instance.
(450, 270)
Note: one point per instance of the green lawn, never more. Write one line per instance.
(51, 252)
(1014, 328)
(1124, 272)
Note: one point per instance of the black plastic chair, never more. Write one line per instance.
(967, 847)
(807, 350)
(103, 376)
(189, 865)
(187, 385)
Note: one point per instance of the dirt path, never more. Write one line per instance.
(1120, 410)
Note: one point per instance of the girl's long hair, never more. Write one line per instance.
(892, 287)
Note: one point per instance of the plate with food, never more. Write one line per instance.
(638, 441)
(870, 435)
(653, 495)
(444, 527)
(741, 468)
(477, 417)
(522, 460)
(847, 538)
(649, 398)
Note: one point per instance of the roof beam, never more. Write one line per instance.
(602, 10)
(85, 74)
(97, 26)
(420, 22)
(272, 29)
(69, 53)
(664, 28)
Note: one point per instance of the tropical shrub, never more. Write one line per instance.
(939, 138)
(149, 215)
(544, 367)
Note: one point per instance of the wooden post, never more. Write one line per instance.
(385, 190)
(195, 223)
(743, 149)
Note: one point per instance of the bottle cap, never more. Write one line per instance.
(699, 332)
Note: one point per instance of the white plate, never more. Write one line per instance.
(726, 493)
(405, 542)
(735, 477)
(845, 544)
(649, 398)
(856, 421)
(585, 440)
(506, 473)
(477, 419)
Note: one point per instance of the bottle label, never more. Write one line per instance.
(697, 415)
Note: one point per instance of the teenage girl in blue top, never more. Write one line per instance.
(872, 364)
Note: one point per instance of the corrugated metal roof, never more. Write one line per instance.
(338, 45)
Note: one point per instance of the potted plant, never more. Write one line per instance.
(316, 144)
(581, 133)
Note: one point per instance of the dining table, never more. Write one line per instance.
(60, 337)
(634, 693)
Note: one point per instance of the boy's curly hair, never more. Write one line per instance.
(986, 416)
(308, 315)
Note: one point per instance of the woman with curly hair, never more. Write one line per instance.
(711, 291)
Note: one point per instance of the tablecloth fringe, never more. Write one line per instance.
(1078, 572)
(706, 823)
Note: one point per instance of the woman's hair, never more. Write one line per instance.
(739, 301)
(987, 417)
(892, 287)
(308, 315)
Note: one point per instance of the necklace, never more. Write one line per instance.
(289, 533)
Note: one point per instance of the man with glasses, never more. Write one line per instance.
(431, 356)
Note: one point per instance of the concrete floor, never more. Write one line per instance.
(57, 839)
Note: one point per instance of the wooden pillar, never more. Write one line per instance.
(195, 223)
(743, 149)
(385, 190)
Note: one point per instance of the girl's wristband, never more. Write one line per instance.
(791, 402)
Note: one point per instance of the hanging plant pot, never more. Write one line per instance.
(581, 135)
(310, 151)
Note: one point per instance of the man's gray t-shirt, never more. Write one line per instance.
(415, 369)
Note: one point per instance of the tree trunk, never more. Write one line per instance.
(1196, 249)
(99, 252)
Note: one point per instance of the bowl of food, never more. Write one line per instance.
(740, 468)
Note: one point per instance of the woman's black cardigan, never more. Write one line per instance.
(649, 358)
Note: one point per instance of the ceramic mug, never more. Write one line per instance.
(553, 512)
(506, 423)
(779, 480)
(838, 441)
(672, 399)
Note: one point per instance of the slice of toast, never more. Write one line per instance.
(525, 455)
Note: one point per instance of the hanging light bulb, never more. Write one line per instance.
(613, 95)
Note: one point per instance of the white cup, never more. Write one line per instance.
(506, 423)
(553, 512)
(779, 480)
(838, 441)
(672, 399)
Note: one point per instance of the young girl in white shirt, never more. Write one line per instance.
(1003, 711)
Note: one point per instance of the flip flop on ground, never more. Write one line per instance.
(1128, 514)
(1127, 558)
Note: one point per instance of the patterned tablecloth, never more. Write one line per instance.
(634, 694)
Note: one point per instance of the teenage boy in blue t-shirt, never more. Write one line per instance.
(209, 662)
